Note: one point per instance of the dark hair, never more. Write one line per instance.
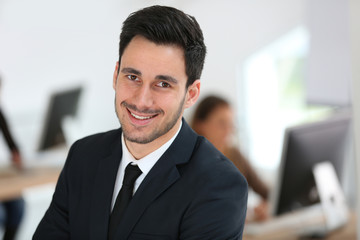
(206, 107)
(167, 25)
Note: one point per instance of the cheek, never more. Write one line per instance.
(122, 92)
(118, 97)
(165, 104)
(169, 101)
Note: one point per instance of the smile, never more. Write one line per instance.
(141, 117)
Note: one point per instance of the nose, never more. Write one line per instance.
(144, 97)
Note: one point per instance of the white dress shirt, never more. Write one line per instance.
(145, 164)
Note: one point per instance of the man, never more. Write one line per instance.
(186, 189)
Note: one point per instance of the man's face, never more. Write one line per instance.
(151, 92)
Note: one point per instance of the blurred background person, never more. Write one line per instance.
(12, 210)
(214, 119)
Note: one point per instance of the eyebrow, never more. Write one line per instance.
(167, 78)
(129, 70)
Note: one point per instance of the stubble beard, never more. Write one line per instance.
(155, 133)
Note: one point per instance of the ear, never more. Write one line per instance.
(115, 76)
(192, 93)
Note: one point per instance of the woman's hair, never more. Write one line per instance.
(205, 108)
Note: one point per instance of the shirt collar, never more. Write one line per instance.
(146, 163)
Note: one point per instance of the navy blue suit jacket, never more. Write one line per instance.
(192, 192)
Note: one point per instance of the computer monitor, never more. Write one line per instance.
(304, 146)
(61, 104)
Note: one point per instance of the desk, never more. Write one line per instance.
(347, 232)
(12, 186)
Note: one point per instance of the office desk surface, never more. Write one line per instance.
(347, 232)
(13, 183)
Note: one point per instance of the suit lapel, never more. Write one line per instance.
(161, 177)
(103, 190)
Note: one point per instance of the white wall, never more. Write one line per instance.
(328, 69)
(49, 45)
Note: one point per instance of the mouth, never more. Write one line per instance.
(138, 117)
(141, 119)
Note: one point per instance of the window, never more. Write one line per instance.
(272, 96)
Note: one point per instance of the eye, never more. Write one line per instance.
(163, 85)
(132, 77)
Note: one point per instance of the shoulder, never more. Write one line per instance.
(214, 166)
(87, 153)
(218, 193)
(96, 146)
(99, 139)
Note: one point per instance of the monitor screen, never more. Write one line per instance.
(61, 104)
(304, 146)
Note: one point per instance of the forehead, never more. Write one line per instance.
(143, 50)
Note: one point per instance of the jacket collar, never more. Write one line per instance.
(103, 190)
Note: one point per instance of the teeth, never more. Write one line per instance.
(140, 117)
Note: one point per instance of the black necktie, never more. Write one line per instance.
(132, 172)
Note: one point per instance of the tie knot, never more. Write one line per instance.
(132, 172)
